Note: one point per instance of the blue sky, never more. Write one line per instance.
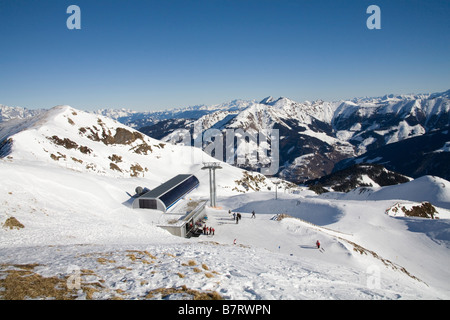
(152, 55)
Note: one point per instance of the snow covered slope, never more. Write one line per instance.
(80, 141)
(64, 208)
(416, 156)
(78, 221)
(427, 188)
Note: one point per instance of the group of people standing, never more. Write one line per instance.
(209, 231)
(237, 216)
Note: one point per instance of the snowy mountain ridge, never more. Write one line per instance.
(325, 133)
(84, 142)
(137, 119)
(319, 132)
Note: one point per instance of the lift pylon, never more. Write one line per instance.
(212, 166)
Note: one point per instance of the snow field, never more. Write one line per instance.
(78, 217)
(80, 220)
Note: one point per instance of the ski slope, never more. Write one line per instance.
(75, 217)
(78, 219)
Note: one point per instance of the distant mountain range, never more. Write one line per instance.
(11, 113)
(404, 133)
(318, 138)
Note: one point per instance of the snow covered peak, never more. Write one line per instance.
(58, 111)
(81, 141)
(267, 100)
(283, 102)
(89, 143)
(62, 107)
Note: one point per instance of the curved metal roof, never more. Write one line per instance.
(165, 187)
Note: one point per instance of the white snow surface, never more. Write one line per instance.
(77, 217)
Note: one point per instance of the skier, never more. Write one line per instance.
(253, 214)
(234, 242)
(212, 229)
(318, 244)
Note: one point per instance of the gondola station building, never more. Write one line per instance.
(167, 194)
